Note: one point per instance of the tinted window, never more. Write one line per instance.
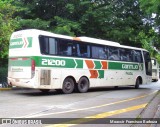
(113, 53)
(83, 50)
(125, 55)
(64, 47)
(136, 56)
(47, 45)
(99, 52)
(52, 46)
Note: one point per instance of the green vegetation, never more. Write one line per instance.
(129, 22)
(3, 74)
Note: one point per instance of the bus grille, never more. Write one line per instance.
(45, 77)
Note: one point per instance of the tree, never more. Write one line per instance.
(122, 21)
(119, 21)
(51, 15)
(152, 19)
(7, 25)
(152, 10)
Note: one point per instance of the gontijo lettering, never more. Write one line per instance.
(16, 43)
(132, 67)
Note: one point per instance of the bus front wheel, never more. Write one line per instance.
(83, 85)
(137, 83)
(68, 86)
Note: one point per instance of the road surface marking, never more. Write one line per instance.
(88, 108)
(98, 116)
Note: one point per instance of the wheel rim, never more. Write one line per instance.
(68, 86)
(83, 84)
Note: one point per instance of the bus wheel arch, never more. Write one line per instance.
(83, 84)
(138, 82)
(68, 85)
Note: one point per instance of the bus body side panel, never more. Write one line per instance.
(122, 73)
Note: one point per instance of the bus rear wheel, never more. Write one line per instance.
(83, 85)
(68, 86)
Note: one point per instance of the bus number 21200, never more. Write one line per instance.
(53, 62)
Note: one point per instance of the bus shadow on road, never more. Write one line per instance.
(35, 92)
(114, 88)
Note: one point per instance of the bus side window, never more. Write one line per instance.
(99, 52)
(125, 55)
(137, 56)
(64, 47)
(52, 46)
(48, 45)
(83, 50)
(129, 56)
(113, 53)
(44, 44)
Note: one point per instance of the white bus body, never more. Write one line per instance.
(155, 70)
(44, 60)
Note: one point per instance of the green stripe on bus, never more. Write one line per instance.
(122, 66)
(101, 73)
(20, 62)
(79, 63)
(19, 43)
(97, 65)
(16, 43)
(58, 62)
(74, 63)
(29, 41)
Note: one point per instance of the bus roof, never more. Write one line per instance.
(105, 42)
(97, 41)
(82, 39)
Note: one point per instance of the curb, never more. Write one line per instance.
(157, 115)
(150, 111)
(3, 89)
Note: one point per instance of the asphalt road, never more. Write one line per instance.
(124, 102)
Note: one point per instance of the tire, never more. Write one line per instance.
(137, 83)
(116, 87)
(68, 86)
(83, 85)
(156, 80)
(44, 90)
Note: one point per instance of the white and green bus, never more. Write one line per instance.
(44, 60)
(155, 70)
